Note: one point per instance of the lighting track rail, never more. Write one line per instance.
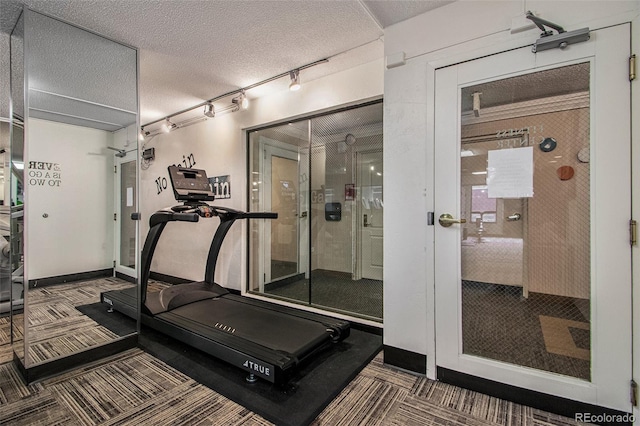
(237, 103)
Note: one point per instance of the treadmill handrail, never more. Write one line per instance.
(170, 216)
(159, 220)
(227, 217)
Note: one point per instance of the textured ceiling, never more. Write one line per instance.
(195, 50)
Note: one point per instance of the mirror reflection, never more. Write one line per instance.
(79, 240)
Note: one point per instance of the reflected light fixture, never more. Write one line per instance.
(167, 125)
(209, 111)
(142, 134)
(295, 80)
(476, 103)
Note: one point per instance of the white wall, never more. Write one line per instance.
(456, 32)
(77, 235)
(219, 146)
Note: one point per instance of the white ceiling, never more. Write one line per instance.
(194, 50)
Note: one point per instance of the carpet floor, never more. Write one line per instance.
(134, 388)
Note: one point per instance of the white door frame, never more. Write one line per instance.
(269, 148)
(358, 217)
(608, 347)
(119, 161)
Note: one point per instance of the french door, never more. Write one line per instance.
(533, 197)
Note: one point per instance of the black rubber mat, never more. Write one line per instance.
(299, 402)
(116, 322)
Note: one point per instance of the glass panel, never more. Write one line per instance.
(346, 227)
(71, 127)
(18, 287)
(525, 194)
(325, 248)
(127, 206)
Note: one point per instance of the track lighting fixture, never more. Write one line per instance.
(241, 100)
(209, 110)
(295, 80)
(143, 134)
(167, 126)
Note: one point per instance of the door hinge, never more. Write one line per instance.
(115, 216)
(633, 231)
(633, 393)
(115, 169)
(114, 263)
(632, 67)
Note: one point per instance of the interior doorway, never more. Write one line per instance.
(371, 215)
(533, 273)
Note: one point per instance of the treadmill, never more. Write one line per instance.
(267, 340)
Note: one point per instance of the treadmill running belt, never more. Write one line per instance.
(265, 327)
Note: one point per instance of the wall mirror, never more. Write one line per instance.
(73, 187)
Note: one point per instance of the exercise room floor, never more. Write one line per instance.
(134, 388)
(541, 331)
(336, 291)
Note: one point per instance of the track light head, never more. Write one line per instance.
(167, 126)
(241, 100)
(295, 80)
(209, 111)
(244, 101)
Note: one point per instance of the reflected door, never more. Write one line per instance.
(371, 214)
(532, 187)
(281, 259)
(126, 184)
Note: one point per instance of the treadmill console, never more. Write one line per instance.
(190, 184)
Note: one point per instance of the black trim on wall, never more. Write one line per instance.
(378, 331)
(61, 279)
(60, 365)
(542, 401)
(405, 359)
(170, 279)
(126, 277)
(167, 278)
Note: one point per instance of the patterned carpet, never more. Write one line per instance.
(133, 388)
(56, 327)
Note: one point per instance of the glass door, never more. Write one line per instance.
(126, 196)
(371, 208)
(324, 177)
(533, 274)
(281, 195)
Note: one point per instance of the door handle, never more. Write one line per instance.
(447, 220)
(514, 217)
(365, 223)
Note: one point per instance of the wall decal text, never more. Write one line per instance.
(44, 174)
